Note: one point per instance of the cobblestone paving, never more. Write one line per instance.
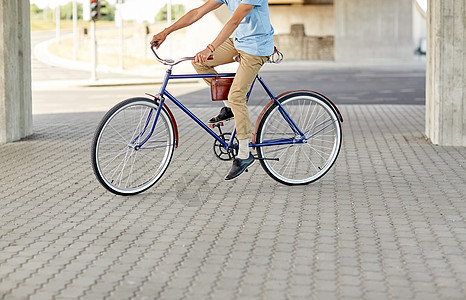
(387, 222)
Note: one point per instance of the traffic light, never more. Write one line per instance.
(95, 10)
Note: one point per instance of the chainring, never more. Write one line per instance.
(221, 152)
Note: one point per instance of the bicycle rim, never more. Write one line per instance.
(300, 163)
(118, 163)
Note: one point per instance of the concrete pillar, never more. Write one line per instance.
(373, 30)
(446, 72)
(15, 70)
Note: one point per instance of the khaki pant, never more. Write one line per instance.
(249, 66)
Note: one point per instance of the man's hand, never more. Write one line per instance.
(158, 39)
(202, 56)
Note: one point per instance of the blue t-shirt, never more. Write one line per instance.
(254, 34)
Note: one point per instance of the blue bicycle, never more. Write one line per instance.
(297, 137)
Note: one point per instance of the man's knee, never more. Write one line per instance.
(238, 95)
(197, 65)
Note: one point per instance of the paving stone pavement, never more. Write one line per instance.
(387, 222)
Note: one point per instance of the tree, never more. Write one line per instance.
(177, 11)
(66, 11)
(107, 11)
(35, 10)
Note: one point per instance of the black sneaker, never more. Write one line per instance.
(224, 115)
(239, 166)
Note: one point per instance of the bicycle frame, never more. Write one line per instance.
(134, 142)
(164, 93)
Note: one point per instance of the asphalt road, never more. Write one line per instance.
(346, 85)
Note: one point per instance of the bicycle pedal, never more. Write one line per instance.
(213, 125)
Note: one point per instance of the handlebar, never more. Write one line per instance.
(276, 57)
(171, 62)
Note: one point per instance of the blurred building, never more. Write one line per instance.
(348, 29)
(314, 29)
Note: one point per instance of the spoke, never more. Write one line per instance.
(281, 155)
(329, 141)
(313, 126)
(107, 163)
(125, 116)
(111, 152)
(144, 126)
(324, 134)
(164, 131)
(310, 160)
(325, 121)
(311, 117)
(288, 162)
(115, 169)
(308, 109)
(118, 133)
(149, 157)
(120, 143)
(278, 129)
(304, 122)
(279, 149)
(321, 146)
(315, 134)
(318, 152)
(125, 162)
(131, 169)
(137, 129)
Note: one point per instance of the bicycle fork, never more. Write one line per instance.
(146, 125)
(160, 102)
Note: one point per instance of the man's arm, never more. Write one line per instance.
(240, 13)
(189, 18)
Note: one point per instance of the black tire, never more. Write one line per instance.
(301, 163)
(119, 165)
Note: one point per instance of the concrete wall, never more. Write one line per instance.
(446, 73)
(298, 46)
(15, 71)
(318, 20)
(308, 34)
(373, 30)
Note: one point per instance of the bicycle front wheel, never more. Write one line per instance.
(292, 162)
(122, 162)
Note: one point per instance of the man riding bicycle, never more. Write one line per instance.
(253, 41)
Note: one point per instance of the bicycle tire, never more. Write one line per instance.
(119, 165)
(300, 163)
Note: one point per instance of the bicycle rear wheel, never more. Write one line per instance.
(299, 163)
(121, 164)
